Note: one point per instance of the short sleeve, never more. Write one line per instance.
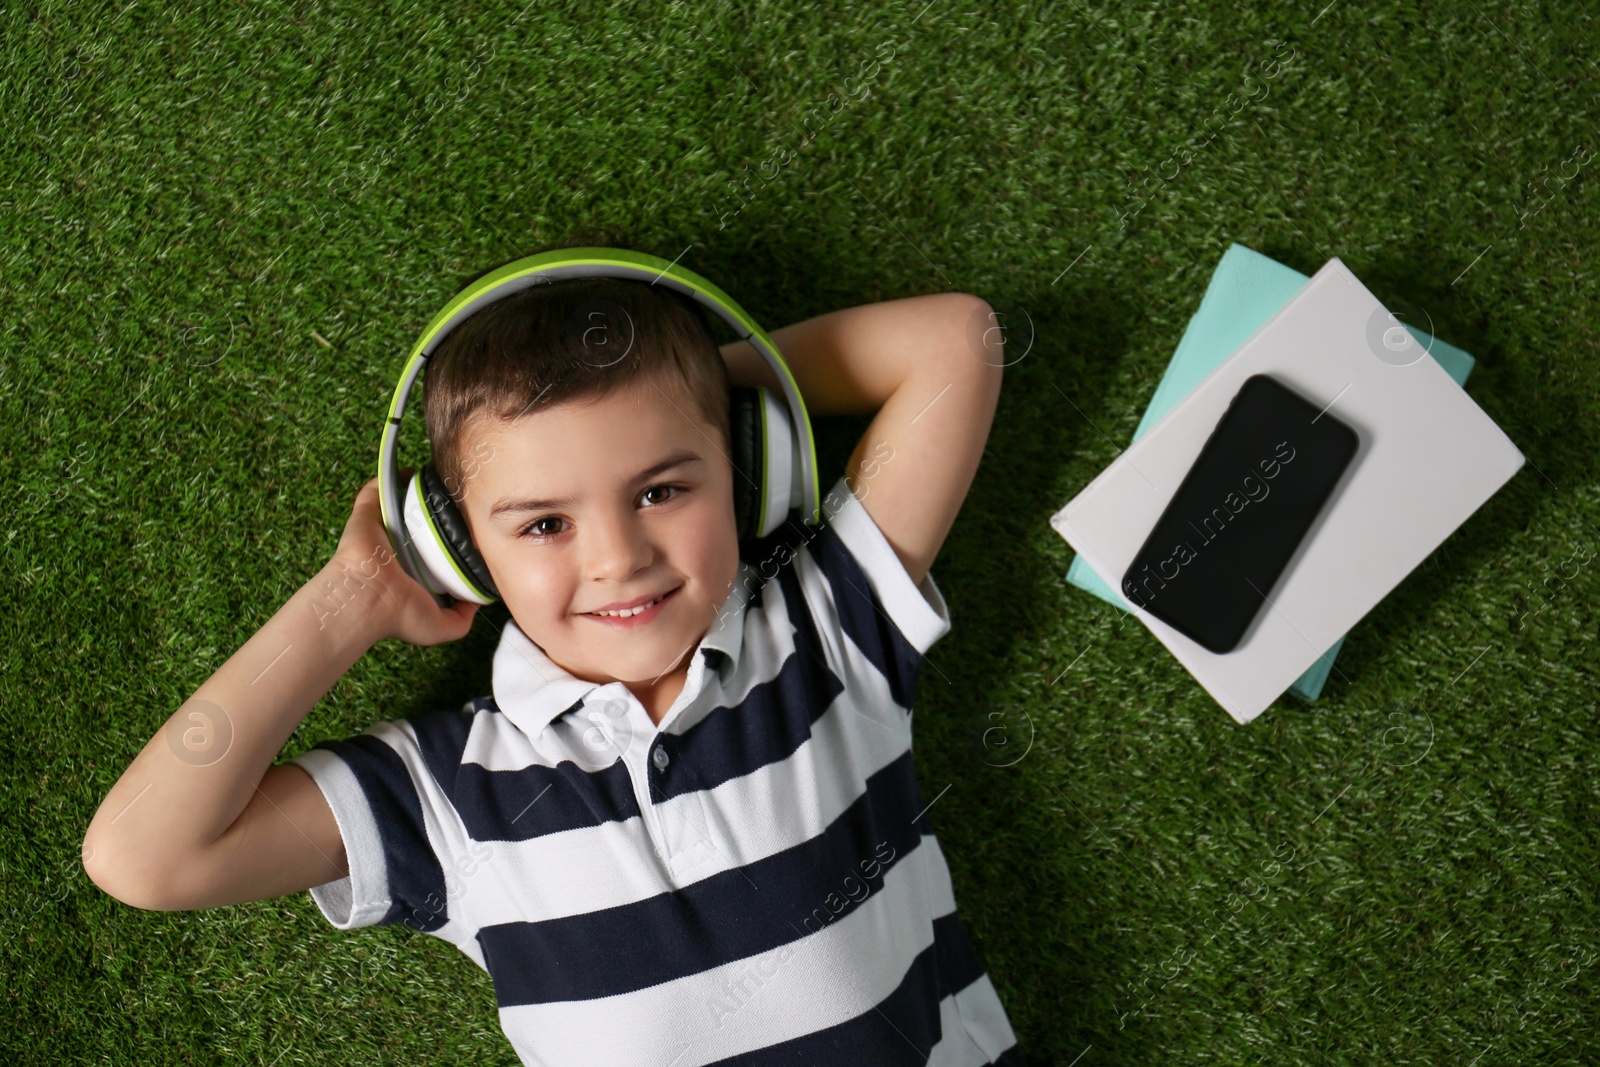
(857, 585)
(392, 815)
(918, 612)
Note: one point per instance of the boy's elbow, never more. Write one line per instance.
(984, 333)
(113, 879)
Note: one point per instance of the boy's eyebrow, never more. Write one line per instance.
(676, 459)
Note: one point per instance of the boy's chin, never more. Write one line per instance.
(635, 658)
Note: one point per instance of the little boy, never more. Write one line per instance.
(679, 835)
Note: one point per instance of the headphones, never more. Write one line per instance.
(774, 454)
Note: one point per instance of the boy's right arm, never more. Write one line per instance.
(201, 818)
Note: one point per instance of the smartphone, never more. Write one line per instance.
(1262, 477)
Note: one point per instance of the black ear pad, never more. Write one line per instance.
(749, 464)
(458, 541)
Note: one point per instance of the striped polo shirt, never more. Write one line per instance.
(753, 881)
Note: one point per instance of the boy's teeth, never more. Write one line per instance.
(631, 611)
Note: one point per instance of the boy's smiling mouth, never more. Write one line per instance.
(637, 615)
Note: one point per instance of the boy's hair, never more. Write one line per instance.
(574, 339)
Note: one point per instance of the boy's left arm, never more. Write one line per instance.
(930, 366)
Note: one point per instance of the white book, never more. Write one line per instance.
(1429, 457)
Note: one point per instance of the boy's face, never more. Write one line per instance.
(611, 535)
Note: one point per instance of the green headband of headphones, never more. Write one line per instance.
(774, 454)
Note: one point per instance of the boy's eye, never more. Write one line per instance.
(537, 530)
(653, 488)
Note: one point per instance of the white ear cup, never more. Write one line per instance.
(782, 481)
(439, 572)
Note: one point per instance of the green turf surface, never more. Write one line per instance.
(224, 228)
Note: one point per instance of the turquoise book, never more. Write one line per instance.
(1245, 290)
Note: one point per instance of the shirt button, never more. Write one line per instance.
(660, 758)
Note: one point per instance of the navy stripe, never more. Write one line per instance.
(726, 917)
(442, 739)
(959, 962)
(863, 618)
(501, 805)
(767, 727)
(416, 879)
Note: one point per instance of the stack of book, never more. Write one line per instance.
(1246, 290)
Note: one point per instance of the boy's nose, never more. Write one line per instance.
(617, 549)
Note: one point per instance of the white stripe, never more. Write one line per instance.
(984, 1032)
(495, 744)
(826, 979)
(955, 1047)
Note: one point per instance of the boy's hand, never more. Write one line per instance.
(377, 583)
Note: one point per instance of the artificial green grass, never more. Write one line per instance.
(223, 230)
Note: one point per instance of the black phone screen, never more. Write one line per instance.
(1240, 513)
